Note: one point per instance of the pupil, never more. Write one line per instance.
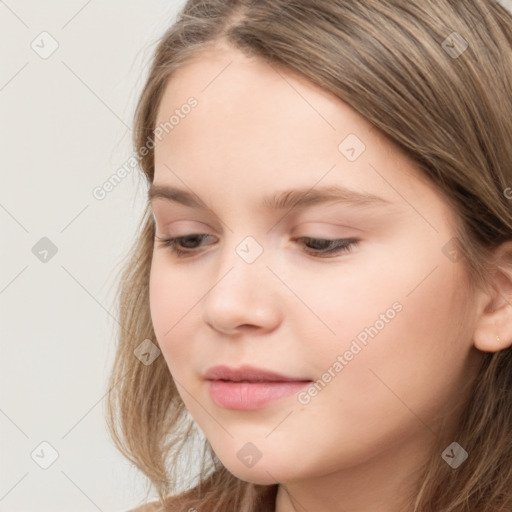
(190, 238)
(320, 244)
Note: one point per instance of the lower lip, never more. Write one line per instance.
(247, 396)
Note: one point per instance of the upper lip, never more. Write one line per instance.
(247, 373)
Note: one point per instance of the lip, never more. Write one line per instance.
(248, 388)
(247, 373)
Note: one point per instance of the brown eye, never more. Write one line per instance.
(182, 245)
(322, 246)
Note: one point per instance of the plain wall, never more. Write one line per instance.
(65, 129)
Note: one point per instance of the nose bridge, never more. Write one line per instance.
(241, 270)
(241, 292)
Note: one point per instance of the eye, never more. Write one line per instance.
(324, 248)
(183, 246)
(188, 240)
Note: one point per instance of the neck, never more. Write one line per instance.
(385, 482)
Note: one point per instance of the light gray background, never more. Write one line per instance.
(64, 130)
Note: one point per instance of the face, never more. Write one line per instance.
(358, 297)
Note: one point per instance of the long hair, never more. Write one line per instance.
(435, 77)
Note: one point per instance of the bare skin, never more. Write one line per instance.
(357, 444)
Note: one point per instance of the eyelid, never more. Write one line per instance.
(330, 226)
(186, 224)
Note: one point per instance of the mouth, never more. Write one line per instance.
(248, 373)
(256, 381)
(248, 396)
(248, 388)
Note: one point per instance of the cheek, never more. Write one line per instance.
(401, 332)
(171, 299)
(418, 357)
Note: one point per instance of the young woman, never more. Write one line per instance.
(322, 282)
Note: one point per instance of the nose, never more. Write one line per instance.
(243, 297)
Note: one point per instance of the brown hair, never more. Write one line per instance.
(452, 114)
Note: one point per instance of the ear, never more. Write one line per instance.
(495, 305)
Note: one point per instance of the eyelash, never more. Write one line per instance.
(342, 245)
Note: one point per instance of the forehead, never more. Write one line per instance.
(257, 126)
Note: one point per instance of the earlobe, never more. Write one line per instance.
(493, 329)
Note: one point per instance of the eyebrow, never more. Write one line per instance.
(287, 199)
